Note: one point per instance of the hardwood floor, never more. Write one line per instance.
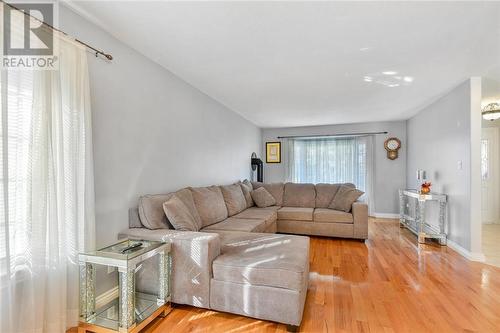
(491, 243)
(388, 284)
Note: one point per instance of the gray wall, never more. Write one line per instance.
(439, 140)
(389, 176)
(153, 132)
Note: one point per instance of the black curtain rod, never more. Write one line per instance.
(97, 51)
(330, 135)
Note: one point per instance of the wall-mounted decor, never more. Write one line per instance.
(257, 169)
(273, 152)
(392, 146)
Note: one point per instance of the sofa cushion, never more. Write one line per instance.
(234, 198)
(276, 190)
(272, 260)
(330, 215)
(238, 224)
(268, 215)
(263, 198)
(326, 192)
(210, 204)
(186, 197)
(299, 195)
(344, 198)
(271, 208)
(134, 220)
(296, 213)
(247, 188)
(151, 211)
(179, 215)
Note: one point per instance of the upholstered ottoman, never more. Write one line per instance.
(264, 276)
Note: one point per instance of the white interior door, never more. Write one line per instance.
(489, 175)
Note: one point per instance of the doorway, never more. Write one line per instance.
(490, 200)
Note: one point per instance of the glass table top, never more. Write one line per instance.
(108, 315)
(126, 249)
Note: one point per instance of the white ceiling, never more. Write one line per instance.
(311, 63)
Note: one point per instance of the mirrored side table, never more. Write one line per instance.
(127, 310)
(412, 208)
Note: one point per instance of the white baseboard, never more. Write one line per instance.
(473, 256)
(385, 215)
(106, 297)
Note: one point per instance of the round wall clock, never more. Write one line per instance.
(392, 146)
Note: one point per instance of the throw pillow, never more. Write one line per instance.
(275, 189)
(247, 188)
(326, 192)
(151, 211)
(263, 198)
(179, 215)
(344, 198)
(234, 199)
(186, 197)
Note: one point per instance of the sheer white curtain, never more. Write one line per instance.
(46, 192)
(331, 160)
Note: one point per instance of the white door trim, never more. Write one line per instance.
(475, 165)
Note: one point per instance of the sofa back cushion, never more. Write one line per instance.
(247, 187)
(263, 198)
(326, 192)
(233, 198)
(210, 204)
(180, 215)
(299, 195)
(275, 189)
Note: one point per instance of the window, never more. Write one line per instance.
(46, 191)
(329, 160)
(484, 159)
(16, 137)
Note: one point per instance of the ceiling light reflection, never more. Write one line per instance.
(389, 79)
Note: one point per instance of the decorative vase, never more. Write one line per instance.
(425, 188)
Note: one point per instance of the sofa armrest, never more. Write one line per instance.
(192, 257)
(360, 219)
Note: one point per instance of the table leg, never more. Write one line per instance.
(87, 290)
(421, 221)
(442, 221)
(164, 277)
(402, 203)
(127, 298)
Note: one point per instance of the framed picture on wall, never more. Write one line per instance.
(273, 152)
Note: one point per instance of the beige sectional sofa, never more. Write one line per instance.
(236, 262)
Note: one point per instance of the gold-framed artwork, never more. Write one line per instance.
(273, 152)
